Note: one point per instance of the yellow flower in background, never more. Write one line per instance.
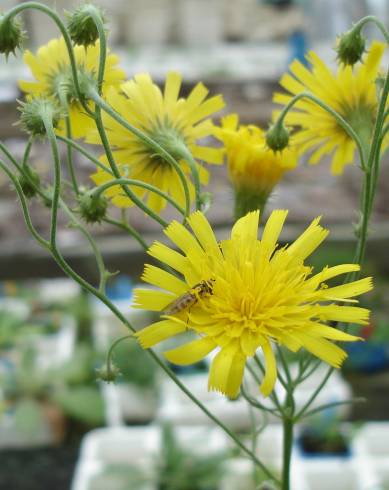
(350, 91)
(50, 68)
(253, 168)
(244, 294)
(171, 121)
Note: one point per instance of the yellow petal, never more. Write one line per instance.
(168, 256)
(308, 241)
(150, 299)
(337, 313)
(226, 371)
(349, 290)
(246, 228)
(319, 330)
(204, 233)
(190, 353)
(273, 229)
(162, 279)
(323, 349)
(157, 332)
(270, 377)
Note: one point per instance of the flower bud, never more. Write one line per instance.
(11, 35)
(28, 181)
(108, 374)
(277, 137)
(35, 112)
(92, 207)
(351, 46)
(81, 24)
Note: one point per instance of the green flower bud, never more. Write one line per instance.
(277, 137)
(351, 46)
(35, 112)
(108, 374)
(29, 181)
(81, 25)
(11, 35)
(92, 207)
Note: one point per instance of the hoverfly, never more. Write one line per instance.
(189, 298)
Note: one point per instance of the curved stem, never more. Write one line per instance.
(86, 153)
(103, 49)
(371, 18)
(137, 183)
(116, 172)
(147, 140)
(26, 214)
(27, 152)
(69, 46)
(339, 119)
(130, 230)
(187, 156)
(103, 273)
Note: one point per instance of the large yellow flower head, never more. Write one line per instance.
(50, 68)
(350, 91)
(252, 166)
(170, 120)
(244, 294)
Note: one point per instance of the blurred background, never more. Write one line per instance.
(62, 429)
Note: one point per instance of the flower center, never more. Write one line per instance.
(171, 140)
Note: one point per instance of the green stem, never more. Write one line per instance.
(187, 156)
(103, 49)
(100, 103)
(69, 46)
(57, 179)
(69, 156)
(287, 451)
(371, 18)
(246, 201)
(130, 230)
(137, 183)
(26, 153)
(116, 172)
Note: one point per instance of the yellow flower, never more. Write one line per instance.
(171, 121)
(50, 68)
(252, 166)
(351, 92)
(253, 294)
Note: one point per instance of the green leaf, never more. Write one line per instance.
(83, 403)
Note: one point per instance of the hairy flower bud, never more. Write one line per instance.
(36, 112)
(277, 137)
(350, 47)
(82, 26)
(109, 373)
(92, 207)
(28, 181)
(11, 35)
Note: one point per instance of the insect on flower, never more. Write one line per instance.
(189, 298)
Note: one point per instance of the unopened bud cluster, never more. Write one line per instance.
(81, 24)
(92, 207)
(351, 46)
(277, 137)
(11, 35)
(38, 112)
